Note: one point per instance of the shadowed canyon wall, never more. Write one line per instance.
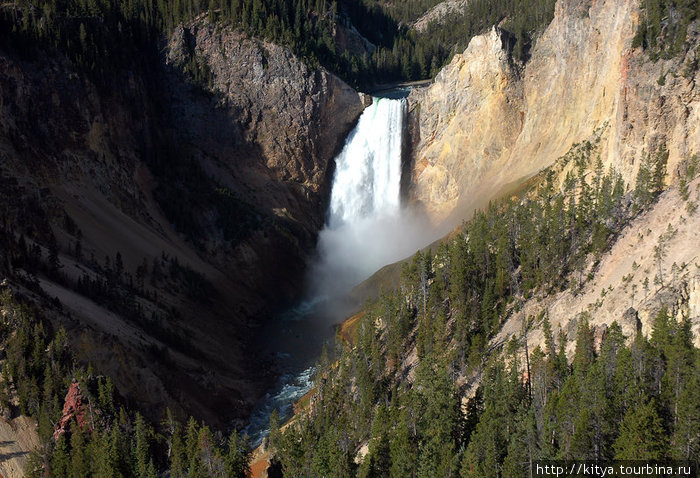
(193, 191)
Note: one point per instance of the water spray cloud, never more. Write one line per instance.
(367, 228)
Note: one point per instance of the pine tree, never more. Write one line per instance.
(326, 454)
(488, 445)
(565, 410)
(60, 460)
(585, 352)
(237, 457)
(378, 460)
(106, 453)
(643, 191)
(685, 444)
(642, 436)
(276, 438)
(402, 449)
(140, 451)
(194, 462)
(659, 170)
(438, 409)
(605, 393)
(105, 395)
(582, 440)
(178, 457)
(523, 448)
(79, 459)
(486, 448)
(207, 450)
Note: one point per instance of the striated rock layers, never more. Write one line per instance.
(486, 124)
(139, 176)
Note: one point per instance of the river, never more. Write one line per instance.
(366, 228)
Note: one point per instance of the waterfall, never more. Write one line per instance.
(366, 227)
(367, 178)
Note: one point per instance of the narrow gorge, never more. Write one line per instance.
(405, 239)
(365, 201)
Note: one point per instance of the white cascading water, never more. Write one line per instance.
(366, 229)
(367, 177)
(363, 229)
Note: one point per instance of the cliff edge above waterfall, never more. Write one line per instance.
(286, 116)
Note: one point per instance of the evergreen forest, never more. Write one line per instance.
(115, 440)
(421, 387)
(623, 398)
(620, 398)
(99, 36)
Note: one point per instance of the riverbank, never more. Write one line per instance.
(260, 457)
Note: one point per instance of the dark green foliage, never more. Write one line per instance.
(98, 36)
(642, 436)
(237, 456)
(404, 54)
(532, 404)
(113, 442)
(650, 177)
(524, 19)
(688, 169)
(662, 30)
(608, 408)
(101, 37)
(585, 351)
(60, 461)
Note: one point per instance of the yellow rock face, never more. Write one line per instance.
(486, 123)
(462, 125)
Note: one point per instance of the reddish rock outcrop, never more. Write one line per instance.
(73, 407)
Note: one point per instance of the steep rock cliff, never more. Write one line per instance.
(265, 125)
(468, 119)
(486, 124)
(626, 286)
(285, 119)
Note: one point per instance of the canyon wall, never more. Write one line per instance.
(279, 120)
(625, 285)
(183, 210)
(487, 124)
